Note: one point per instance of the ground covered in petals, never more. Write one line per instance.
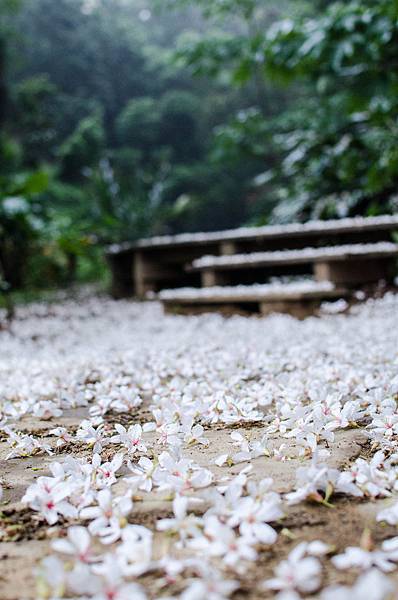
(203, 457)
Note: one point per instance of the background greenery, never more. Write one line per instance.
(125, 118)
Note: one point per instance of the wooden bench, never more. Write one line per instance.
(347, 265)
(299, 299)
(159, 262)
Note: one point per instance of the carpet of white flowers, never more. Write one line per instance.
(200, 458)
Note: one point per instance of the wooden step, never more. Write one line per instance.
(348, 264)
(299, 299)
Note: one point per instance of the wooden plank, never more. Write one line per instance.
(386, 223)
(252, 293)
(298, 300)
(344, 253)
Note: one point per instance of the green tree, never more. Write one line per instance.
(89, 55)
(180, 125)
(84, 147)
(339, 146)
(20, 222)
(332, 150)
(33, 114)
(138, 125)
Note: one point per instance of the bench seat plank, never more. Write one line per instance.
(299, 299)
(329, 227)
(252, 293)
(300, 256)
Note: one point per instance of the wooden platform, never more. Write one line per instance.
(299, 299)
(159, 262)
(350, 264)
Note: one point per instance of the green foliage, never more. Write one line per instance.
(213, 55)
(245, 136)
(33, 113)
(84, 147)
(232, 48)
(221, 8)
(89, 55)
(179, 125)
(333, 151)
(10, 155)
(138, 124)
(339, 150)
(20, 223)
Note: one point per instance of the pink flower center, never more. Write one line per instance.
(84, 556)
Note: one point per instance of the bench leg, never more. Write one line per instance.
(150, 274)
(210, 278)
(228, 248)
(122, 283)
(140, 274)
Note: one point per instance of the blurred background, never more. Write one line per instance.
(122, 119)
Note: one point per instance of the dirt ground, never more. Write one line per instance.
(25, 537)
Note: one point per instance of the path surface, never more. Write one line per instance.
(302, 394)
